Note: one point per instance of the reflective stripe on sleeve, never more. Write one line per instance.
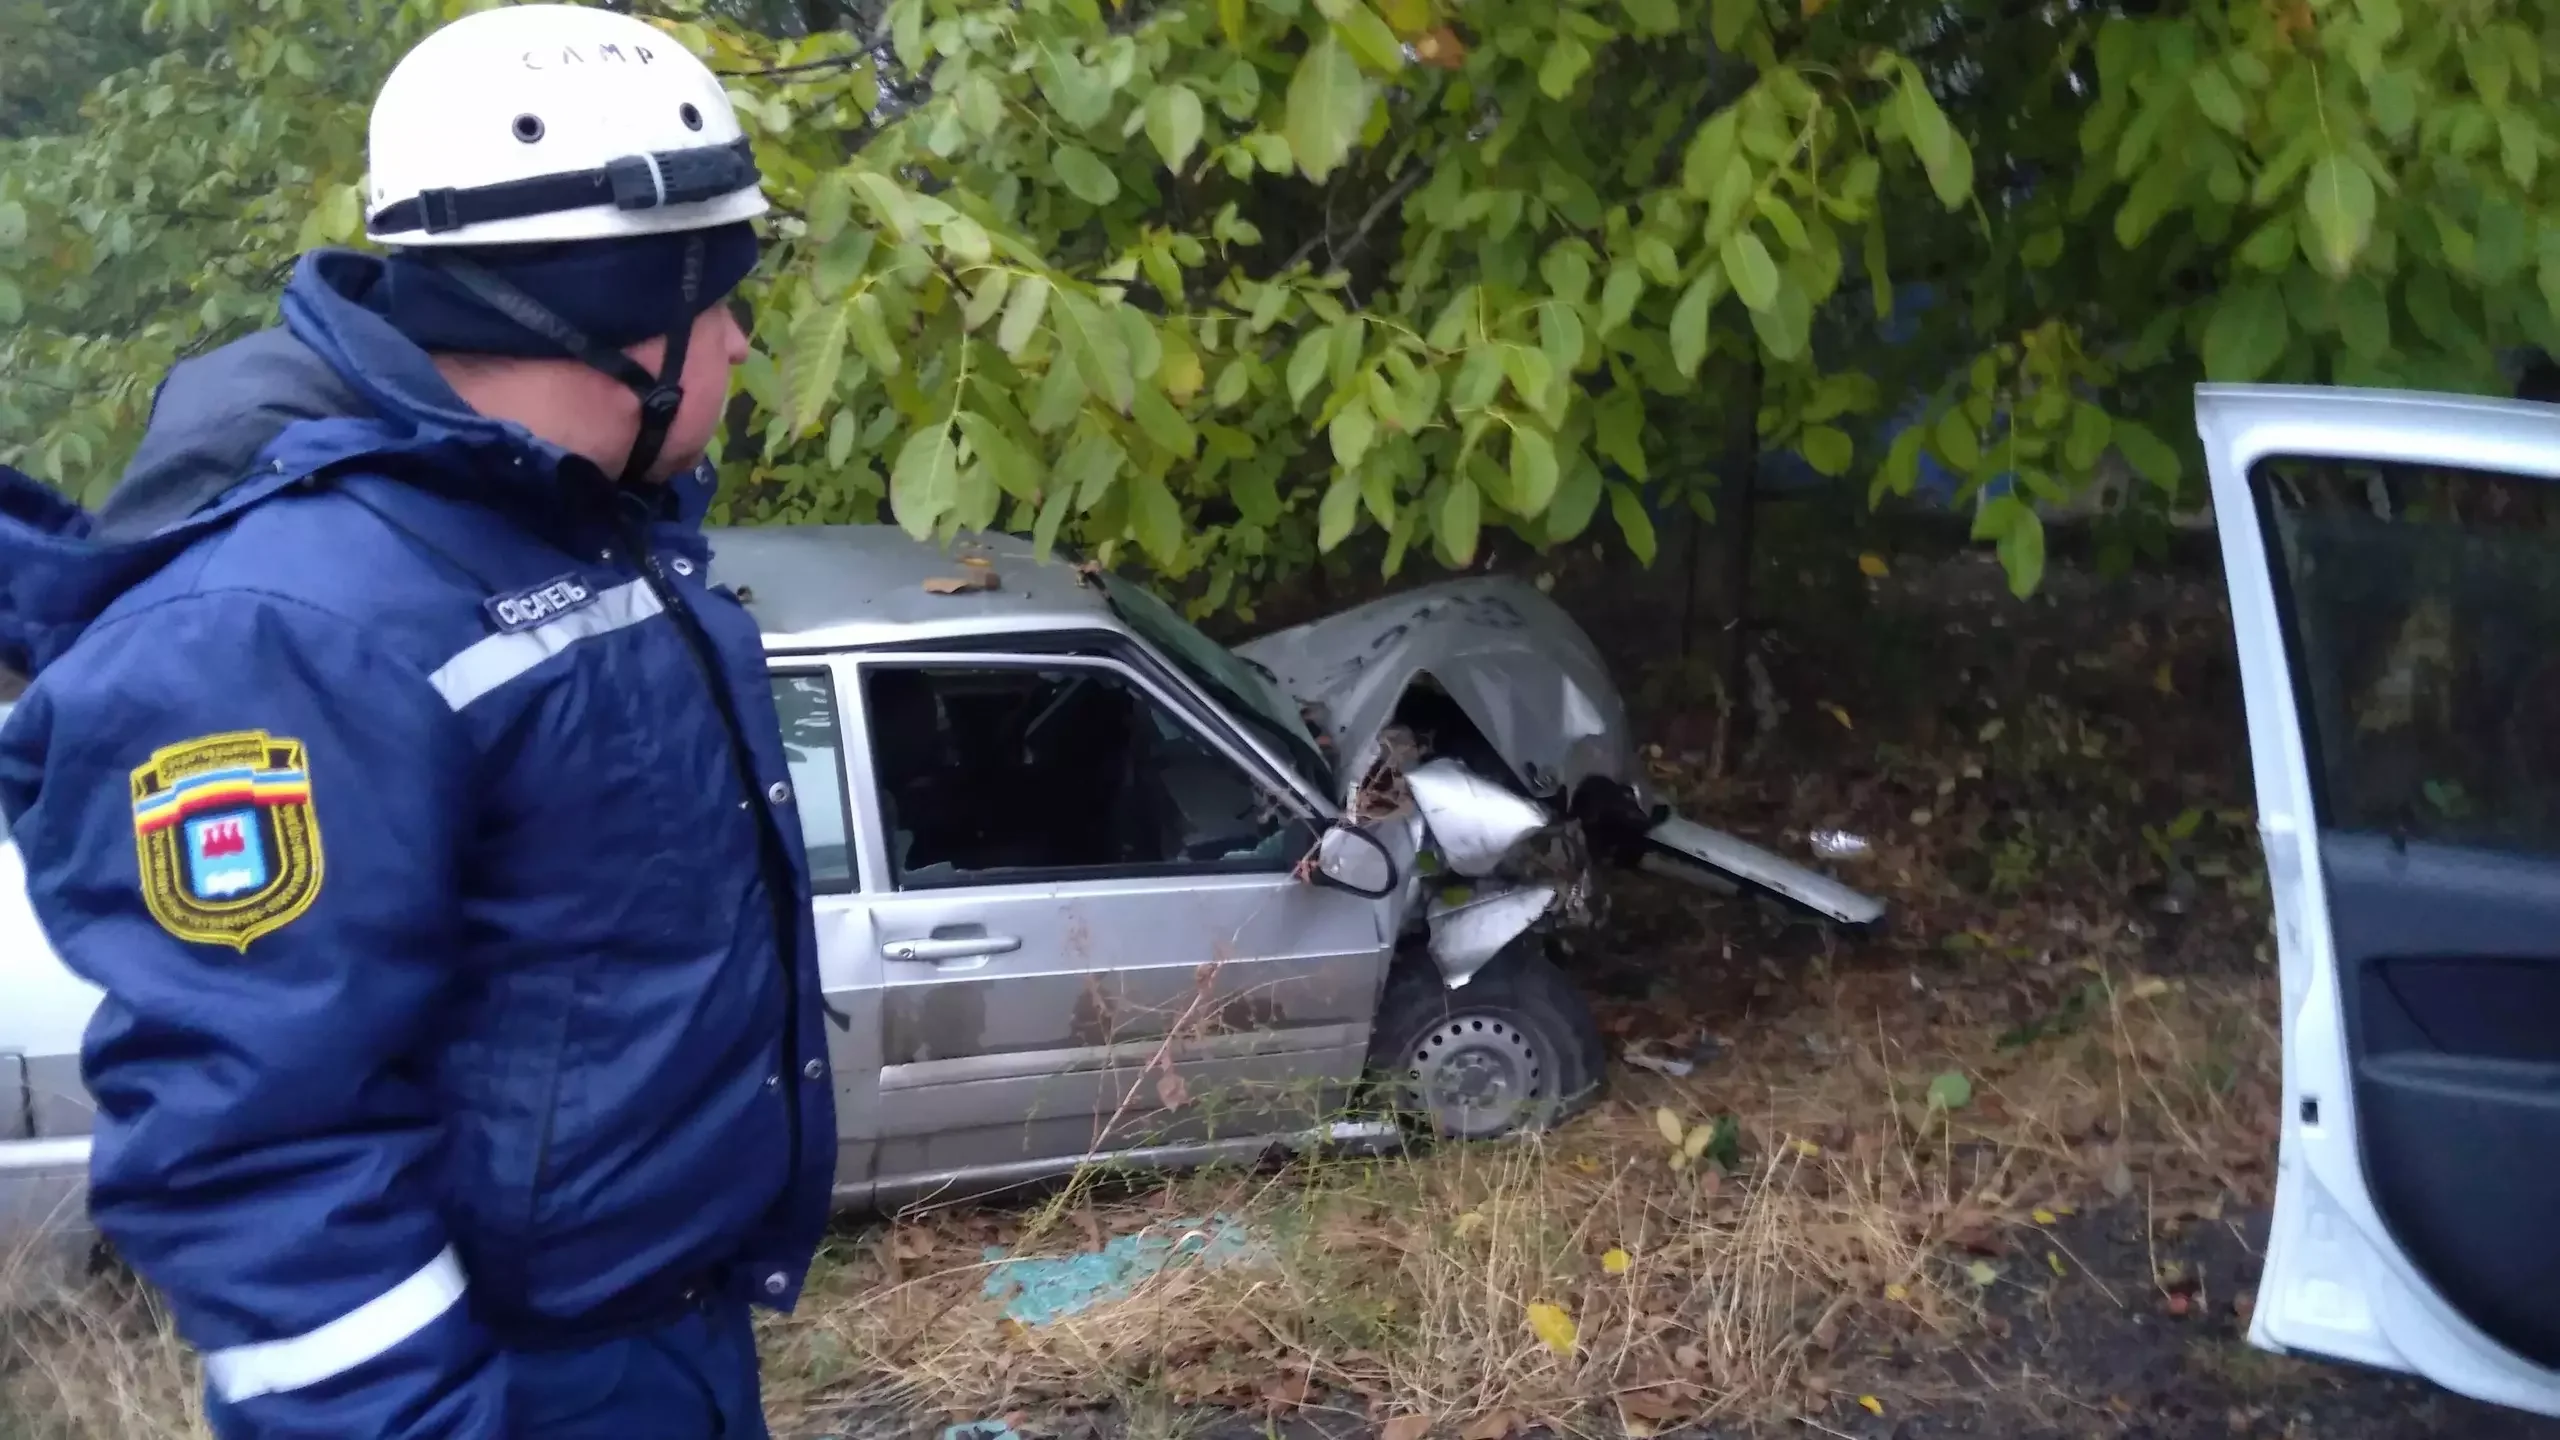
(244, 1372)
(492, 662)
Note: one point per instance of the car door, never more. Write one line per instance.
(817, 743)
(1087, 922)
(2393, 562)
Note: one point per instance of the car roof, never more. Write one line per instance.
(833, 587)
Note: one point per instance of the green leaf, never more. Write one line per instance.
(1022, 311)
(2215, 96)
(2247, 332)
(966, 240)
(1618, 297)
(1080, 94)
(812, 363)
(2339, 196)
(1560, 335)
(1628, 509)
(1098, 350)
(1015, 473)
(1370, 36)
(1328, 100)
(2149, 457)
(871, 333)
(924, 483)
(1951, 1091)
(1533, 471)
(1729, 20)
(1532, 374)
(894, 207)
(1174, 123)
(1567, 273)
(840, 437)
(1352, 429)
(1689, 325)
(13, 224)
(2364, 318)
(2519, 147)
(1786, 327)
(1711, 153)
(1090, 466)
(1567, 58)
(1053, 513)
(1653, 17)
(1827, 449)
(1754, 274)
(1942, 152)
(1900, 472)
(1339, 512)
(1084, 175)
(1308, 363)
(1958, 443)
(830, 206)
(1162, 423)
(2021, 552)
(1461, 511)
(1618, 425)
(1156, 518)
(2090, 431)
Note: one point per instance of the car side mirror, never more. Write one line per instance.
(1352, 859)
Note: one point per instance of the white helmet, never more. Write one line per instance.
(533, 123)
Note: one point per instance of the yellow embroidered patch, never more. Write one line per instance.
(229, 847)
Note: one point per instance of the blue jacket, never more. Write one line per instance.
(424, 817)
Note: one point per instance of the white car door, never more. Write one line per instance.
(2394, 570)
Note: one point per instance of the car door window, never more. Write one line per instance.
(2424, 602)
(812, 742)
(1015, 773)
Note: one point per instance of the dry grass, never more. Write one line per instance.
(1853, 1211)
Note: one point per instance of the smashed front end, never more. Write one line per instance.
(1478, 715)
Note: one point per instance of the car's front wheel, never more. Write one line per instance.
(1514, 1049)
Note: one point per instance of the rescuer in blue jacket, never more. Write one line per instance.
(420, 809)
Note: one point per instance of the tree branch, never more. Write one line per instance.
(1359, 235)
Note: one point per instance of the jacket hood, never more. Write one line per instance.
(334, 385)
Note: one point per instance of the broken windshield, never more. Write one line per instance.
(1235, 681)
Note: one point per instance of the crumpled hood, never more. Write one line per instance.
(1511, 658)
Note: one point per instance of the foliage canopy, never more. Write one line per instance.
(1227, 281)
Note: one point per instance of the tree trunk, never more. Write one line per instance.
(1736, 502)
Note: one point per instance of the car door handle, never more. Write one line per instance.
(941, 949)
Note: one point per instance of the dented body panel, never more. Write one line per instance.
(1521, 669)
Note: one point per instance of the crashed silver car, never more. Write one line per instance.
(1091, 885)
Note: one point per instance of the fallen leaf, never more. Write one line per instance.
(2149, 988)
(1839, 714)
(963, 584)
(1982, 1272)
(2119, 1181)
(1172, 1090)
(1470, 1221)
(1872, 566)
(1405, 1427)
(1441, 48)
(2041, 1215)
(1665, 1121)
(2056, 1262)
(1952, 1090)
(1689, 1357)
(2161, 681)
(1617, 1261)
(1807, 1149)
(1553, 1325)
(1897, 1292)
(1871, 1404)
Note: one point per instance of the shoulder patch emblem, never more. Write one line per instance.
(224, 830)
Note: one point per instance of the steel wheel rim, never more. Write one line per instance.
(1475, 1076)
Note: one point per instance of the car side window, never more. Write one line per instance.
(2423, 601)
(1001, 774)
(813, 744)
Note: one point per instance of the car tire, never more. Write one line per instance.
(1512, 1051)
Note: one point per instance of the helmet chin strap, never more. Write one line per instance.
(661, 395)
